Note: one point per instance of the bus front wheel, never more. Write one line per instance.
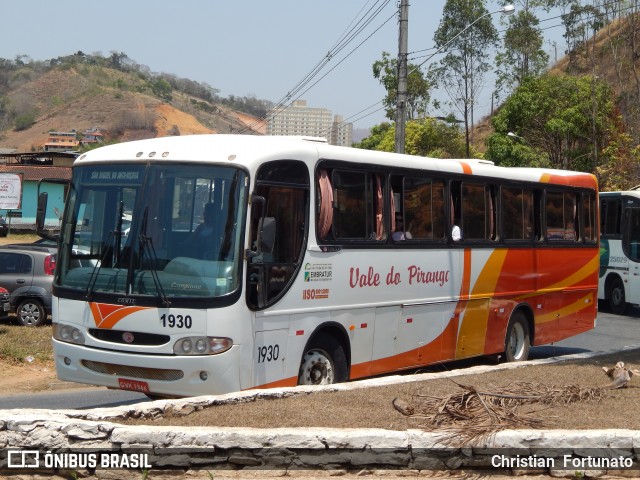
(324, 362)
(617, 300)
(517, 342)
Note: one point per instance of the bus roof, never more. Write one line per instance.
(252, 150)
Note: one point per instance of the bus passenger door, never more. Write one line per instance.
(419, 335)
(384, 344)
(270, 350)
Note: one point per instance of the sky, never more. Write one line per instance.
(243, 47)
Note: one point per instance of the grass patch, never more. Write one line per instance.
(18, 344)
(19, 237)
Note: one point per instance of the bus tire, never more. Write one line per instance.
(324, 362)
(616, 297)
(518, 341)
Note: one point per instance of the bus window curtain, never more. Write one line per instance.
(379, 211)
(325, 216)
(492, 213)
(392, 201)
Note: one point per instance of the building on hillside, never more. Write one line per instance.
(92, 136)
(61, 142)
(300, 119)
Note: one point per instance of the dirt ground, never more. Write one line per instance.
(16, 379)
(373, 408)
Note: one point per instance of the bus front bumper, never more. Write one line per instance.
(179, 376)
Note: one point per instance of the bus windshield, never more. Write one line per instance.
(160, 231)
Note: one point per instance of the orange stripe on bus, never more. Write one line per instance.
(473, 330)
(466, 168)
(106, 316)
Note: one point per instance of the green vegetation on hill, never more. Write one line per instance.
(81, 91)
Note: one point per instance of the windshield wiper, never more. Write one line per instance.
(146, 245)
(88, 293)
(114, 240)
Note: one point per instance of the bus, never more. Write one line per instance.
(219, 263)
(619, 280)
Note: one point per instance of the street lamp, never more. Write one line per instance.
(518, 137)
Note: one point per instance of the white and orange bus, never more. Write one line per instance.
(315, 264)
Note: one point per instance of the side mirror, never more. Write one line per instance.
(267, 234)
(43, 198)
(41, 213)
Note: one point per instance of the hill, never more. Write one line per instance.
(125, 103)
(611, 56)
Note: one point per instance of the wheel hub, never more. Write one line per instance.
(316, 370)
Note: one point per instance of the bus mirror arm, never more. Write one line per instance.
(43, 198)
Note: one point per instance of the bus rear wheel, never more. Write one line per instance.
(324, 362)
(517, 342)
(616, 298)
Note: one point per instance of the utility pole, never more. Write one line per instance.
(401, 97)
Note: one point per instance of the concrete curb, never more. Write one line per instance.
(602, 451)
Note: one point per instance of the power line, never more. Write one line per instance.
(347, 37)
(632, 7)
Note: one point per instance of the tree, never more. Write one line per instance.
(428, 137)
(162, 89)
(556, 115)
(523, 55)
(467, 33)
(620, 160)
(581, 23)
(386, 71)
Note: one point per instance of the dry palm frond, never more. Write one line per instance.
(620, 375)
(472, 414)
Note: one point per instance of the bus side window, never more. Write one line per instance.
(478, 211)
(610, 216)
(561, 213)
(517, 213)
(423, 206)
(359, 206)
(589, 216)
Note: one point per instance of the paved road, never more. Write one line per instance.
(611, 332)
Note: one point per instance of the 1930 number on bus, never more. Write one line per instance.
(268, 353)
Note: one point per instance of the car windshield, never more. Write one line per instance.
(154, 230)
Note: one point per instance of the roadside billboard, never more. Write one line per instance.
(10, 191)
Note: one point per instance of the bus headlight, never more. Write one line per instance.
(68, 334)
(202, 345)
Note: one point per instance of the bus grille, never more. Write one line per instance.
(135, 372)
(133, 338)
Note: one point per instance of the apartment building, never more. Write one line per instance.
(61, 142)
(300, 119)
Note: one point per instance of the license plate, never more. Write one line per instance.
(7, 307)
(133, 385)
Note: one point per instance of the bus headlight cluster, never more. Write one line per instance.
(67, 333)
(202, 345)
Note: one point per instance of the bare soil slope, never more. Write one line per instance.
(120, 104)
